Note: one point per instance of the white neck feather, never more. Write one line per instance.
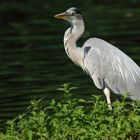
(73, 33)
(70, 38)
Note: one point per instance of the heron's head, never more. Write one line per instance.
(71, 15)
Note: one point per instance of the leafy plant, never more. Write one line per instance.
(75, 119)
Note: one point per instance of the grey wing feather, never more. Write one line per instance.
(110, 67)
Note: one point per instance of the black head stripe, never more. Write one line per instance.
(77, 11)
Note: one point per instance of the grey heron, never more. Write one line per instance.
(110, 69)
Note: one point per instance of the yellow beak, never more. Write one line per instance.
(61, 16)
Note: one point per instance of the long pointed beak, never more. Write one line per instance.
(61, 16)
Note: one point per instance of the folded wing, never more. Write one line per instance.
(110, 67)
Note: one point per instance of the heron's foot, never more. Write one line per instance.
(110, 106)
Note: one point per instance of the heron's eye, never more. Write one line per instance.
(66, 13)
(73, 14)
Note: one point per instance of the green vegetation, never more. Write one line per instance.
(75, 119)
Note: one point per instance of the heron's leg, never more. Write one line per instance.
(107, 94)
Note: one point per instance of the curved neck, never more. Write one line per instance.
(70, 38)
(73, 33)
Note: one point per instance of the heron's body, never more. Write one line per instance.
(110, 68)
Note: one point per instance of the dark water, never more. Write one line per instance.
(33, 63)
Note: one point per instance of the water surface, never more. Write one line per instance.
(33, 63)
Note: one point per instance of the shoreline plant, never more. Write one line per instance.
(75, 119)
